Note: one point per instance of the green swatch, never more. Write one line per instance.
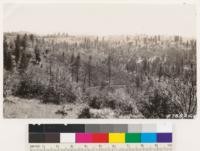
(133, 137)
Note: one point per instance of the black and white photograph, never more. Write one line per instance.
(99, 61)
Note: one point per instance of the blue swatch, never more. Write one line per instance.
(148, 137)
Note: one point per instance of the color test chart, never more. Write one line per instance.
(136, 137)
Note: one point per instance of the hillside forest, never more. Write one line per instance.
(84, 76)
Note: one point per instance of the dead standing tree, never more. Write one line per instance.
(77, 66)
(89, 70)
(109, 69)
(72, 65)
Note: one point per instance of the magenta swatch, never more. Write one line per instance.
(83, 138)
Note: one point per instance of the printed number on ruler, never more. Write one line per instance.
(100, 147)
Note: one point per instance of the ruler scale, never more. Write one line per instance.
(100, 137)
(97, 147)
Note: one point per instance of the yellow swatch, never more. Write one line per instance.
(116, 137)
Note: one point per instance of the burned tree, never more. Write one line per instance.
(72, 65)
(77, 66)
(109, 69)
(89, 70)
(37, 54)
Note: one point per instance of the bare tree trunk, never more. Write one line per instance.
(109, 69)
(89, 70)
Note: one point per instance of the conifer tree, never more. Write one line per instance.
(5, 51)
(72, 65)
(109, 69)
(89, 70)
(17, 49)
(8, 65)
(37, 54)
(77, 65)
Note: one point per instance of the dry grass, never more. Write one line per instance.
(15, 107)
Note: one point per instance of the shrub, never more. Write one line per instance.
(50, 96)
(53, 87)
(62, 92)
(158, 102)
(28, 88)
(88, 112)
(58, 95)
(9, 82)
(117, 100)
(170, 99)
(95, 102)
(122, 102)
(99, 99)
(85, 113)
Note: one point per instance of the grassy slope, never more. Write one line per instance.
(15, 107)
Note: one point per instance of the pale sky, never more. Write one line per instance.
(102, 19)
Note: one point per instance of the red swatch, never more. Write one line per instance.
(100, 137)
